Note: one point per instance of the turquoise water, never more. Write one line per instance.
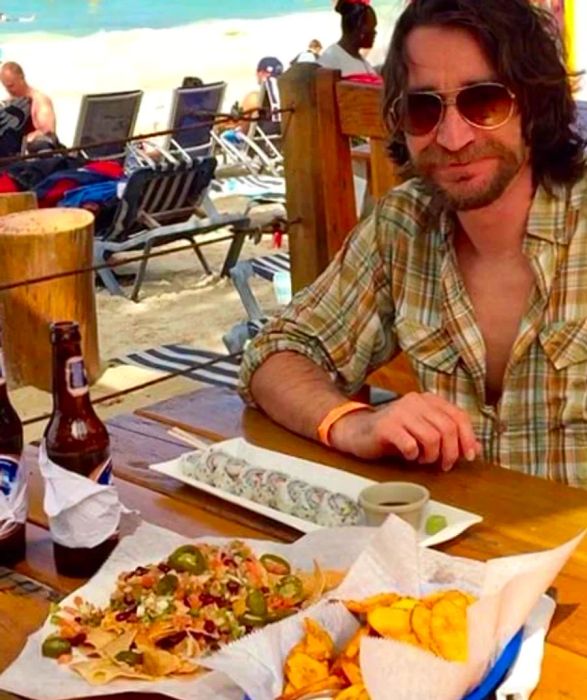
(81, 17)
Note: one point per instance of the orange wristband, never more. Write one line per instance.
(336, 414)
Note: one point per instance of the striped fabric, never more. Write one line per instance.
(13, 582)
(395, 286)
(173, 358)
(267, 265)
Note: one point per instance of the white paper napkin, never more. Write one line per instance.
(81, 512)
(524, 675)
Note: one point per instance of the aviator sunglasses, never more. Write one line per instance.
(482, 105)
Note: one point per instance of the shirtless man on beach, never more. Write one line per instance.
(43, 120)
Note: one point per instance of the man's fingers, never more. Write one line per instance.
(428, 438)
(468, 444)
(404, 443)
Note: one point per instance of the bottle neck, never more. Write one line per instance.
(70, 383)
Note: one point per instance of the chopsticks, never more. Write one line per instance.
(189, 439)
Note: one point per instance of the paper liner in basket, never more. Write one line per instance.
(507, 588)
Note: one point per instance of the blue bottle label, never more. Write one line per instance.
(76, 377)
(102, 474)
(8, 474)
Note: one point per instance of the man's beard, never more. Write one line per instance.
(508, 161)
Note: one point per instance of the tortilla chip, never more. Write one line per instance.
(375, 601)
(158, 662)
(122, 643)
(101, 671)
(313, 584)
(351, 670)
(302, 670)
(353, 692)
(330, 683)
(99, 638)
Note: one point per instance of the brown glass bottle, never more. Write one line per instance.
(12, 540)
(76, 440)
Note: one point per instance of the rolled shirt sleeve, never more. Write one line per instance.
(343, 322)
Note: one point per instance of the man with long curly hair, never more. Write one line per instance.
(475, 267)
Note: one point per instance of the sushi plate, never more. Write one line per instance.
(351, 485)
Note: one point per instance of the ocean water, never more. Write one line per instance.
(83, 17)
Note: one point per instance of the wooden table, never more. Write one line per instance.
(520, 513)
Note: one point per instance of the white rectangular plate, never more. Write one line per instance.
(318, 475)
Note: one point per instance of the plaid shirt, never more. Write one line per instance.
(395, 286)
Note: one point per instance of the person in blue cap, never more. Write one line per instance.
(268, 67)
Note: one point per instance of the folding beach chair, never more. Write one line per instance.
(107, 117)
(257, 148)
(186, 113)
(153, 196)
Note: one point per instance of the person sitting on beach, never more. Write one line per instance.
(268, 67)
(310, 55)
(43, 121)
(359, 23)
(475, 268)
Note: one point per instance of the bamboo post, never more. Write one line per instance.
(11, 202)
(35, 244)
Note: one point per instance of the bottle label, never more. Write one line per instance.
(83, 512)
(76, 377)
(13, 494)
(2, 371)
(103, 473)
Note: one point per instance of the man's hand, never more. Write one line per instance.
(422, 427)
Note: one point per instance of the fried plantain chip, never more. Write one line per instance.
(390, 621)
(375, 601)
(317, 643)
(351, 670)
(302, 670)
(420, 624)
(351, 651)
(330, 683)
(448, 630)
(356, 691)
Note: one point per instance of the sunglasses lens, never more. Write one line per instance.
(421, 113)
(487, 106)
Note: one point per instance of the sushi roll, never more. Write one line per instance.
(337, 509)
(252, 484)
(274, 481)
(190, 464)
(213, 464)
(314, 497)
(291, 498)
(228, 474)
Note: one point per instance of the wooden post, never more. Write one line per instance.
(303, 174)
(11, 202)
(334, 151)
(36, 244)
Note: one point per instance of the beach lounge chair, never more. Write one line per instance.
(153, 196)
(107, 117)
(186, 109)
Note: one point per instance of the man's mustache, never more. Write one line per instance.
(435, 156)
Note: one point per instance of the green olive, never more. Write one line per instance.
(251, 620)
(256, 603)
(188, 558)
(132, 658)
(54, 647)
(167, 584)
(290, 587)
(275, 564)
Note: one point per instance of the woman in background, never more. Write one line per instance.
(359, 23)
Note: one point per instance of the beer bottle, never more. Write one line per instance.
(76, 440)
(12, 476)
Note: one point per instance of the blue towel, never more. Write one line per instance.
(97, 193)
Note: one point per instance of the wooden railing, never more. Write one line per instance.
(327, 113)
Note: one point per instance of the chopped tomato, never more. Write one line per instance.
(148, 580)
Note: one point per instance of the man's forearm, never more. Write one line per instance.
(295, 392)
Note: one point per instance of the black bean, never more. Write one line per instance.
(171, 640)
